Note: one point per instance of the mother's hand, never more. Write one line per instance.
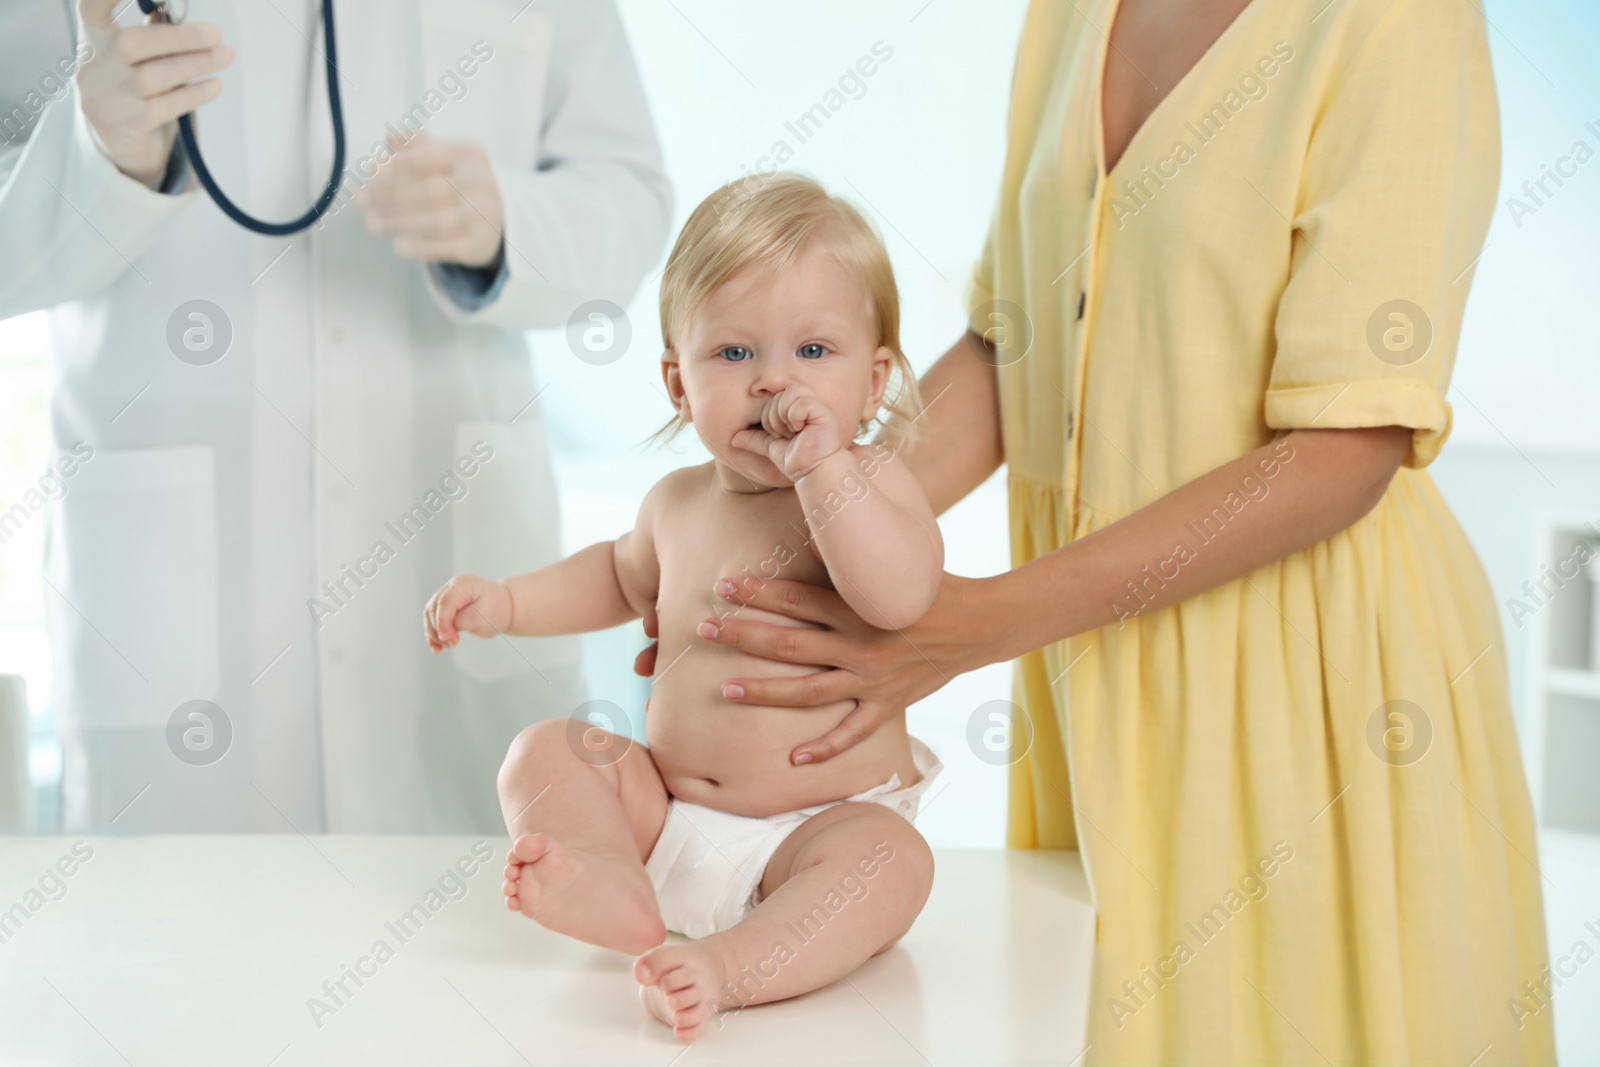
(884, 670)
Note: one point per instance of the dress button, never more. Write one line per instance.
(1082, 299)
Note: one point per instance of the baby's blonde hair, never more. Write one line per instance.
(769, 220)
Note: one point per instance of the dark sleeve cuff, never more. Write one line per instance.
(471, 288)
(176, 180)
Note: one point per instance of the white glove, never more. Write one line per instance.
(140, 79)
(438, 199)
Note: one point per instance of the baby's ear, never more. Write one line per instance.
(882, 367)
(672, 377)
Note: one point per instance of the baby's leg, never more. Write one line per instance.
(846, 885)
(584, 807)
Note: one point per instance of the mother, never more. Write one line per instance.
(1260, 672)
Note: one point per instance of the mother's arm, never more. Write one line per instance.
(961, 445)
(1324, 481)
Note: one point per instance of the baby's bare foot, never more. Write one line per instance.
(598, 899)
(681, 985)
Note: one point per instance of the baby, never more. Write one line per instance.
(781, 323)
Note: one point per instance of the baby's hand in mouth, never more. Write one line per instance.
(797, 431)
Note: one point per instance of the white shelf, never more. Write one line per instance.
(1564, 675)
(1574, 683)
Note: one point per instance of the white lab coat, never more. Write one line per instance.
(187, 556)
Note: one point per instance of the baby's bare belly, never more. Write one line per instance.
(734, 756)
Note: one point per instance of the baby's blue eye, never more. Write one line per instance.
(813, 351)
(739, 353)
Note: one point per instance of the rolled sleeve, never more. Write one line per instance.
(1396, 197)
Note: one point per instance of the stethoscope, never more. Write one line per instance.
(174, 11)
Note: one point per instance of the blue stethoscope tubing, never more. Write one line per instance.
(229, 208)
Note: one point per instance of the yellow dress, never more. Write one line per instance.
(1298, 796)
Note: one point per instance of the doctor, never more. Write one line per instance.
(294, 440)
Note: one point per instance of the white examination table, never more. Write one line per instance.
(207, 950)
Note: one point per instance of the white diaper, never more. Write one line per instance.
(708, 864)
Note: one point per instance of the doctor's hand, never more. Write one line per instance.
(466, 603)
(439, 201)
(140, 79)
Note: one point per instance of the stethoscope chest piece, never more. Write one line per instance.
(169, 10)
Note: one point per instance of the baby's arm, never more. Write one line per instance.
(598, 587)
(876, 533)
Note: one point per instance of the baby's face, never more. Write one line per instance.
(765, 330)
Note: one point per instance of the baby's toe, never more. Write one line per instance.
(684, 999)
(677, 981)
(688, 1023)
(653, 967)
(512, 892)
(655, 1003)
(530, 848)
